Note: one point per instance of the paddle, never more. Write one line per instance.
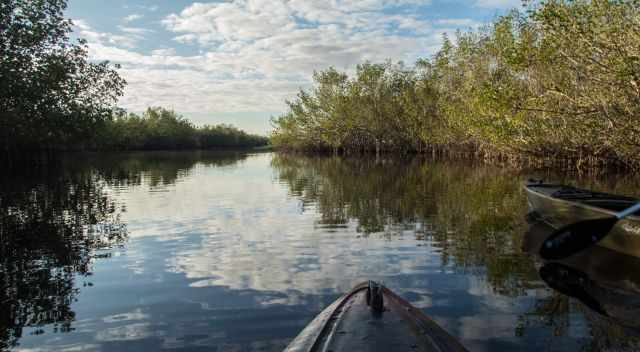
(575, 237)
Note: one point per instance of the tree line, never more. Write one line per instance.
(52, 97)
(159, 128)
(559, 79)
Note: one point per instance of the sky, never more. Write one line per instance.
(237, 61)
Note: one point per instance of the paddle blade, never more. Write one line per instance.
(573, 238)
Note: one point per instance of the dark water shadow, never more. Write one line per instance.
(603, 284)
(52, 226)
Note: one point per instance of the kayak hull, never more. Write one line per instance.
(559, 205)
(352, 324)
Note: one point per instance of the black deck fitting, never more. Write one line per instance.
(375, 299)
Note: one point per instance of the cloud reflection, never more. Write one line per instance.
(248, 233)
(240, 253)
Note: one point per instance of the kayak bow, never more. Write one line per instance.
(372, 318)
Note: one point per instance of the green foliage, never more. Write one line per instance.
(226, 136)
(50, 94)
(561, 80)
(160, 128)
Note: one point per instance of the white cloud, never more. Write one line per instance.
(458, 22)
(151, 8)
(191, 90)
(135, 30)
(164, 52)
(132, 17)
(276, 38)
(254, 54)
(129, 37)
(217, 22)
(84, 30)
(501, 4)
(81, 25)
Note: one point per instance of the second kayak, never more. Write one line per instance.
(372, 318)
(560, 205)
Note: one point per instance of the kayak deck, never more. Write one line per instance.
(353, 323)
(605, 201)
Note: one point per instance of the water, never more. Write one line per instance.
(237, 252)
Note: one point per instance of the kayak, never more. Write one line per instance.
(560, 205)
(372, 318)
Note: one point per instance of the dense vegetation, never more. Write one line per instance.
(561, 80)
(50, 94)
(159, 128)
(52, 97)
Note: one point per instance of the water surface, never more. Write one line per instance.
(196, 251)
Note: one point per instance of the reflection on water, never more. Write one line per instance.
(472, 217)
(229, 251)
(605, 283)
(52, 226)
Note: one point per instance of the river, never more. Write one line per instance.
(232, 251)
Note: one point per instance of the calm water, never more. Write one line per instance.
(237, 252)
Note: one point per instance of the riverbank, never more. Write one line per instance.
(523, 161)
(162, 129)
(556, 83)
(157, 129)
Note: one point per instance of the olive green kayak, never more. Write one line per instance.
(560, 205)
(372, 318)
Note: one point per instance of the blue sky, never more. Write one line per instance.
(237, 61)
